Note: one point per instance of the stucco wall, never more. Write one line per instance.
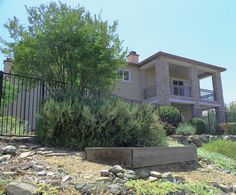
(150, 77)
(130, 90)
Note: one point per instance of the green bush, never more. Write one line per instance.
(170, 114)
(231, 128)
(185, 129)
(106, 122)
(224, 147)
(200, 125)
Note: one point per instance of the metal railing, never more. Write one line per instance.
(206, 94)
(180, 90)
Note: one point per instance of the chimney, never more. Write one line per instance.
(132, 57)
(7, 65)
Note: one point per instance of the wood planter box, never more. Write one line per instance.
(137, 157)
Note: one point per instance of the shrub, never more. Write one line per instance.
(170, 114)
(231, 128)
(200, 125)
(185, 129)
(107, 122)
(224, 147)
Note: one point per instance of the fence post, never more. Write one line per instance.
(1, 84)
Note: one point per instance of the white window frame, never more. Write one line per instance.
(123, 75)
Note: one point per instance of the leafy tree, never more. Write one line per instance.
(65, 44)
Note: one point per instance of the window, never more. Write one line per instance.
(125, 75)
(178, 87)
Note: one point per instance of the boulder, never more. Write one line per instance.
(117, 169)
(104, 173)
(155, 174)
(130, 174)
(142, 173)
(5, 158)
(118, 181)
(9, 150)
(116, 189)
(151, 178)
(166, 175)
(18, 188)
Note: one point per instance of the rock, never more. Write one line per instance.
(50, 173)
(222, 187)
(117, 169)
(25, 166)
(88, 188)
(26, 154)
(233, 188)
(151, 178)
(120, 175)
(104, 173)
(9, 150)
(130, 174)
(55, 183)
(18, 188)
(116, 189)
(10, 173)
(41, 173)
(210, 166)
(61, 171)
(5, 158)
(79, 186)
(66, 178)
(104, 179)
(37, 168)
(142, 173)
(155, 174)
(166, 175)
(2, 176)
(226, 171)
(118, 181)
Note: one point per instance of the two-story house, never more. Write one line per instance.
(167, 79)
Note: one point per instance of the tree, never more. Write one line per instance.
(65, 44)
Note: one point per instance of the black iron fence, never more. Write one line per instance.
(20, 98)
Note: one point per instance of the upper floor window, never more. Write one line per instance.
(125, 75)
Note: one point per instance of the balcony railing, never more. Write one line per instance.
(150, 92)
(206, 94)
(180, 90)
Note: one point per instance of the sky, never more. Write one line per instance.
(201, 30)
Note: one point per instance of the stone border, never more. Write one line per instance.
(137, 157)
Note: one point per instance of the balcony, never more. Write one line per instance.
(180, 90)
(206, 94)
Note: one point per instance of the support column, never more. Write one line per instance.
(162, 81)
(218, 95)
(194, 83)
(195, 90)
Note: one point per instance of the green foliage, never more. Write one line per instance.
(9, 93)
(104, 122)
(200, 125)
(185, 129)
(231, 128)
(12, 126)
(218, 160)
(46, 189)
(224, 147)
(65, 44)
(170, 114)
(159, 188)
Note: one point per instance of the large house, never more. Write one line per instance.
(167, 79)
(162, 79)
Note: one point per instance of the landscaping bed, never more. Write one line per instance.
(67, 172)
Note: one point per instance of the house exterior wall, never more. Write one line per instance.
(129, 90)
